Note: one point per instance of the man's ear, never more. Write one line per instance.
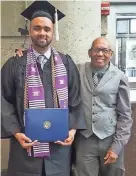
(111, 53)
(53, 35)
(89, 52)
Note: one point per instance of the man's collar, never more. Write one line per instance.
(47, 54)
(102, 70)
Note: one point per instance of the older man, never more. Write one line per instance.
(105, 95)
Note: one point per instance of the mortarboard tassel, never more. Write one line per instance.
(56, 25)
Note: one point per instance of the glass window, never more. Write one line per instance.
(131, 59)
(122, 26)
(133, 26)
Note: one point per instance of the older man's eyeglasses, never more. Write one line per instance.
(105, 51)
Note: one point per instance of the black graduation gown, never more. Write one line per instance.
(12, 89)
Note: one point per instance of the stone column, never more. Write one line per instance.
(79, 28)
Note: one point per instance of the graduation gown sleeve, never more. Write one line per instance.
(9, 122)
(77, 120)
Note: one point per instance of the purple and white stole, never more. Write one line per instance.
(35, 91)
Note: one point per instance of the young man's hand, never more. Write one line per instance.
(69, 140)
(25, 142)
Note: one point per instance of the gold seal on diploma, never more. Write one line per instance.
(47, 124)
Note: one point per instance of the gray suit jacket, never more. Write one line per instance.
(107, 107)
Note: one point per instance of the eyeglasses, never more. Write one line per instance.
(105, 51)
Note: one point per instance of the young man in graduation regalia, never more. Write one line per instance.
(17, 87)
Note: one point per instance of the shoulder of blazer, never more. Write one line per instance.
(116, 70)
(82, 66)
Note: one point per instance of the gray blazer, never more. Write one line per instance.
(107, 107)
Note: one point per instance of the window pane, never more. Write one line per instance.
(131, 59)
(122, 26)
(133, 26)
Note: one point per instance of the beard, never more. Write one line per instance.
(42, 43)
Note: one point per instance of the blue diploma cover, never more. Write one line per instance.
(47, 125)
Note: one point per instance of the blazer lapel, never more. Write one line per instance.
(108, 75)
(89, 75)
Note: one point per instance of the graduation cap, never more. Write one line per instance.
(43, 9)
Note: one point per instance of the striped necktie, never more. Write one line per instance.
(42, 60)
